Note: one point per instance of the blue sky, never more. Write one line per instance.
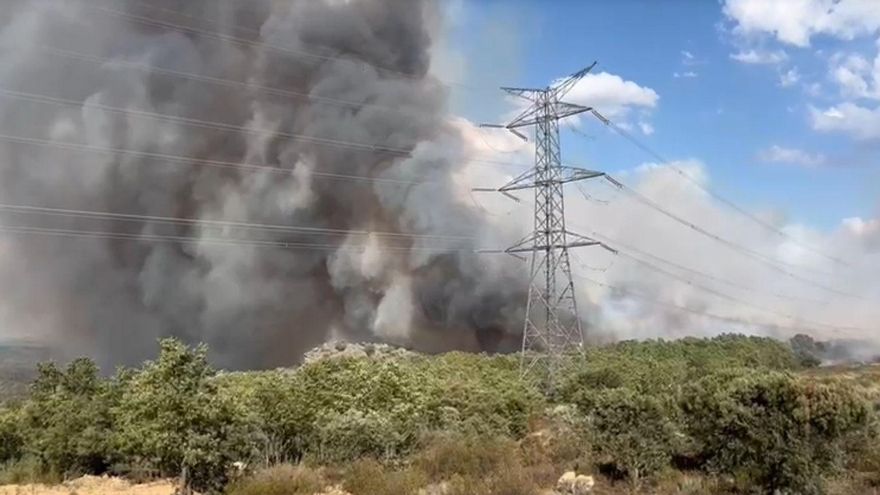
(752, 124)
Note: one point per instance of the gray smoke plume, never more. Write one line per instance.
(254, 306)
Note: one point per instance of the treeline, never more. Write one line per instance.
(732, 410)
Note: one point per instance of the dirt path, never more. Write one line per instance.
(92, 485)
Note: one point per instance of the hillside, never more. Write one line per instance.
(731, 414)
(18, 367)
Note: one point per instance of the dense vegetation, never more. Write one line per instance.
(731, 414)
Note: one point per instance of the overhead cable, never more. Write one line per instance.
(321, 141)
(730, 204)
(67, 212)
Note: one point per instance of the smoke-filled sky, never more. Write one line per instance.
(217, 126)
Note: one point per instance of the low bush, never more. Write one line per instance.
(369, 477)
(632, 432)
(448, 455)
(773, 430)
(281, 479)
(507, 480)
(11, 440)
(27, 469)
(560, 439)
(354, 434)
(478, 394)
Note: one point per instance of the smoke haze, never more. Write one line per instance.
(254, 306)
(261, 306)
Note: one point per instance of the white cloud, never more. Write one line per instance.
(789, 78)
(856, 76)
(688, 59)
(760, 57)
(612, 95)
(630, 222)
(647, 129)
(796, 21)
(813, 89)
(848, 118)
(687, 75)
(792, 156)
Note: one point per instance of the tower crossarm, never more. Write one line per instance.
(536, 179)
(530, 94)
(562, 88)
(532, 243)
(553, 111)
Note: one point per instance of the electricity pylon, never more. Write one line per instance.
(552, 325)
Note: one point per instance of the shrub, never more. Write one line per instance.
(369, 477)
(478, 394)
(335, 402)
(267, 402)
(632, 432)
(807, 351)
(172, 417)
(67, 423)
(27, 469)
(11, 441)
(774, 430)
(448, 455)
(282, 479)
(508, 480)
(338, 400)
(355, 434)
(559, 438)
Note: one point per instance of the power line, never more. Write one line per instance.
(706, 314)
(187, 160)
(87, 234)
(321, 141)
(730, 204)
(725, 296)
(216, 223)
(770, 262)
(590, 197)
(587, 267)
(754, 255)
(615, 248)
(257, 32)
(207, 123)
(622, 246)
(689, 282)
(229, 83)
(150, 21)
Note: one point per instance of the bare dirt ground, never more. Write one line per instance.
(92, 485)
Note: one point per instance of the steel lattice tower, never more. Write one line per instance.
(552, 324)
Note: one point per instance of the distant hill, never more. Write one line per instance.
(18, 366)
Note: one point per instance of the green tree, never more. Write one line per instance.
(172, 418)
(67, 423)
(632, 432)
(773, 430)
(269, 403)
(808, 351)
(11, 441)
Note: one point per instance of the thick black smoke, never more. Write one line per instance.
(255, 306)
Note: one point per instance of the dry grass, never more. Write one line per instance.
(369, 477)
(93, 485)
(469, 456)
(283, 479)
